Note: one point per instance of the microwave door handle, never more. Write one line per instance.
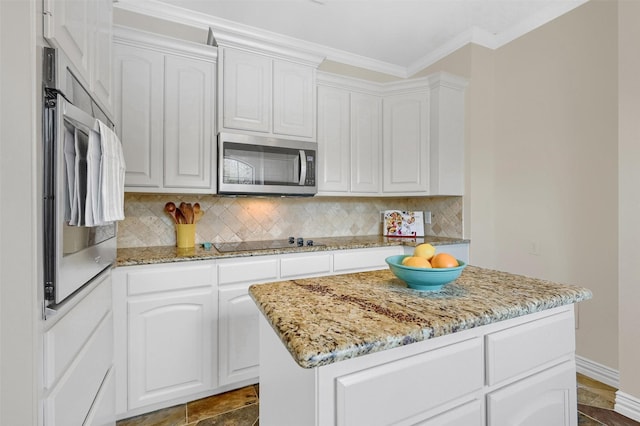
(303, 168)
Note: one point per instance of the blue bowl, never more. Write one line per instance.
(429, 279)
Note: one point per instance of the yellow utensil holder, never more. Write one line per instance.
(185, 235)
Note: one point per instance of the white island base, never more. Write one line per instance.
(520, 371)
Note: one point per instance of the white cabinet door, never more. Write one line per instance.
(447, 136)
(366, 141)
(139, 98)
(170, 345)
(68, 24)
(333, 140)
(188, 131)
(102, 61)
(293, 99)
(247, 91)
(547, 398)
(406, 143)
(238, 333)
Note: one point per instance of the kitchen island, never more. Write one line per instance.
(362, 349)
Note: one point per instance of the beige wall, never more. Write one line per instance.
(629, 203)
(541, 146)
(555, 156)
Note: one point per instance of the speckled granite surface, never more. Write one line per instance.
(166, 254)
(329, 319)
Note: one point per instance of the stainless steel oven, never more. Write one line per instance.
(265, 166)
(73, 254)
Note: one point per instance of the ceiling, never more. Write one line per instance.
(398, 37)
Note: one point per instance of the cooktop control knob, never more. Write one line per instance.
(291, 240)
(300, 242)
(309, 242)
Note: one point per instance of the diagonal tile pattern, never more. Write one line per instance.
(240, 407)
(228, 219)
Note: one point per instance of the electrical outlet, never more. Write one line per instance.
(427, 217)
(534, 248)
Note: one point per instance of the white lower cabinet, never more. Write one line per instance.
(238, 334)
(190, 329)
(78, 353)
(165, 333)
(170, 345)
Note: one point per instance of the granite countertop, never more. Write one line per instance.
(329, 319)
(167, 254)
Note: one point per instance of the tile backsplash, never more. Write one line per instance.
(230, 219)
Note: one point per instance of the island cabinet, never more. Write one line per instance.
(260, 93)
(165, 333)
(82, 29)
(165, 112)
(514, 372)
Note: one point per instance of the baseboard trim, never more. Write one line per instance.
(599, 372)
(627, 405)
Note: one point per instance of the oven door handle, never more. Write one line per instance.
(303, 168)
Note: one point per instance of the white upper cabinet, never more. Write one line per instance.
(82, 29)
(165, 99)
(246, 91)
(349, 141)
(139, 82)
(267, 95)
(366, 136)
(293, 99)
(188, 136)
(446, 131)
(398, 138)
(334, 135)
(406, 143)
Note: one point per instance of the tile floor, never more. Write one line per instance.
(240, 408)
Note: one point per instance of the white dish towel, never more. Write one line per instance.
(112, 168)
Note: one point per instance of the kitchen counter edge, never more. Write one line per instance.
(132, 256)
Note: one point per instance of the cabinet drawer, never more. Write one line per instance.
(170, 277)
(64, 341)
(248, 271)
(522, 348)
(303, 265)
(365, 259)
(406, 385)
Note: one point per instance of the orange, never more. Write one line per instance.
(416, 262)
(443, 260)
(425, 250)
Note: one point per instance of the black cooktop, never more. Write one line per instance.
(265, 245)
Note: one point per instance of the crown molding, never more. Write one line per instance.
(228, 33)
(139, 38)
(233, 34)
(432, 81)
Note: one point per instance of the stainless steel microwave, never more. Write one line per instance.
(265, 166)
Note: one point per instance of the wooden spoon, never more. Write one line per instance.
(180, 217)
(197, 213)
(170, 208)
(190, 214)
